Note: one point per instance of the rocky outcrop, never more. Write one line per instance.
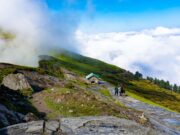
(30, 117)
(106, 125)
(40, 81)
(13, 107)
(81, 126)
(9, 117)
(16, 82)
(33, 128)
(26, 80)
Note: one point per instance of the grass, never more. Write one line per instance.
(26, 92)
(147, 101)
(149, 93)
(105, 92)
(7, 35)
(84, 65)
(5, 71)
(68, 102)
(72, 101)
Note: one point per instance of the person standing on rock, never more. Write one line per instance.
(116, 91)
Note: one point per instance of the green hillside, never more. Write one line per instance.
(141, 89)
(85, 65)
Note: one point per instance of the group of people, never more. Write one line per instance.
(119, 90)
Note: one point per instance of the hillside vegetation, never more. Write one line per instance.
(85, 65)
(155, 95)
(140, 88)
(56, 94)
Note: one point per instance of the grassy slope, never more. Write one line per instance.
(139, 89)
(84, 65)
(145, 91)
(69, 102)
(76, 101)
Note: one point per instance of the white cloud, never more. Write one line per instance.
(37, 29)
(154, 52)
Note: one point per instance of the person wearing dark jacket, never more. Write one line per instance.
(122, 91)
(116, 91)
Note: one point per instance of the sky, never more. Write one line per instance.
(137, 35)
(121, 15)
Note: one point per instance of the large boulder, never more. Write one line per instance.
(16, 82)
(40, 81)
(34, 128)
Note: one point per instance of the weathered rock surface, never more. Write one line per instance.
(106, 126)
(33, 128)
(81, 126)
(30, 117)
(16, 82)
(8, 117)
(13, 107)
(39, 81)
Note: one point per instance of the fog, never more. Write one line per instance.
(36, 30)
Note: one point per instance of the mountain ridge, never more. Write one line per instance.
(60, 88)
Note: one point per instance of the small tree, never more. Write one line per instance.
(150, 79)
(138, 75)
(175, 88)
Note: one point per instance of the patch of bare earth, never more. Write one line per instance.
(39, 103)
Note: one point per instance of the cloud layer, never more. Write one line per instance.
(154, 52)
(36, 28)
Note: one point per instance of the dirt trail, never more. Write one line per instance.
(38, 102)
(168, 122)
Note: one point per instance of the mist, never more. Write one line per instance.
(34, 29)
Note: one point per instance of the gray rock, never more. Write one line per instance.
(16, 82)
(39, 81)
(106, 126)
(52, 125)
(35, 127)
(30, 117)
(18, 129)
(9, 117)
(81, 126)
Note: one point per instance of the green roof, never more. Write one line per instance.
(92, 75)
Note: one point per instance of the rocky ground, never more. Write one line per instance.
(81, 126)
(166, 121)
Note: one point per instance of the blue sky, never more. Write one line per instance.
(120, 15)
(105, 27)
(137, 35)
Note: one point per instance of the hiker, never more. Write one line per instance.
(119, 88)
(122, 90)
(116, 90)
